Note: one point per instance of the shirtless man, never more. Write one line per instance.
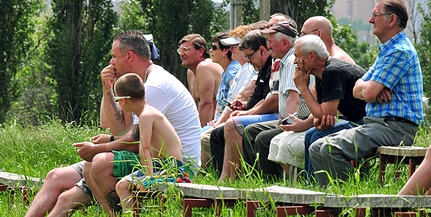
(203, 75)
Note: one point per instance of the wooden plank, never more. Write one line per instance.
(201, 191)
(286, 195)
(378, 201)
(410, 151)
(12, 179)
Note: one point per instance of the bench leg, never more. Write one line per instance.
(327, 213)
(190, 203)
(251, 207)
(283, 211)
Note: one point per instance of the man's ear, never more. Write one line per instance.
(393, 20)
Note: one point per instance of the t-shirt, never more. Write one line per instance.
(167, 94)
(337, 82)
(223, 88)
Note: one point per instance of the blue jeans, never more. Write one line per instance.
(314, 134)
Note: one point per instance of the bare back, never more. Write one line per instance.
(158, 136)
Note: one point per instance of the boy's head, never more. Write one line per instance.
(129, 86)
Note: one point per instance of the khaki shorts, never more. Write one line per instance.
(288, 148)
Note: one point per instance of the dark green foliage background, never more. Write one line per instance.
(51, 57)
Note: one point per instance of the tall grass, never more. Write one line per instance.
(34, 151)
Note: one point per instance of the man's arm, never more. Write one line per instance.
(292, 102)
(111, 115)
(87, 150)
(206, 83)
(368, 90)
(267, 106)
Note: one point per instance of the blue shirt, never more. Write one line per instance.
(397, 68)
(223, 89)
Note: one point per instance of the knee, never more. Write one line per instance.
(229, 126)
(122, 186)
(101, 163)
(54, 176)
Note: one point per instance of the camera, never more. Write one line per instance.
(287, 121)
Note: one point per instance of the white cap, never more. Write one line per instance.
(230, 41)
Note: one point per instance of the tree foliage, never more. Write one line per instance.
(301, 10)
(169, 21)
(424, 53)
(78, 48)
(16, 27)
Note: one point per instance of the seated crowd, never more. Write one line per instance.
(266, 96)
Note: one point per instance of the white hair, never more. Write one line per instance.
(312, 43)
(278, 36)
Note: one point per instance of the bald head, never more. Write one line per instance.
(279, 17)
(317, 22)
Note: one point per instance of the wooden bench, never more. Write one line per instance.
(290, 201)
(381, 205)
(411, 155)
(197, 196)
(11, 182)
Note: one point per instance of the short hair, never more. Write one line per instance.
(259, 25)
(217, 38)
(278, 36)
(312, 43)
(130, 84)
(134, 40)
(198, 42)
(239, 31)
(252, 40)
(398, 8)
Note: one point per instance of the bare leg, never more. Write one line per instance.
(57, 181)
(233, 150)
(102, 182)
(69, 201)
(420, 182)
(123, 190)
(286, 168)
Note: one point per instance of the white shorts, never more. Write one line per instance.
(288, 148)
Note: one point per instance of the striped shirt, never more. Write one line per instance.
(397, 68)
(287, 71)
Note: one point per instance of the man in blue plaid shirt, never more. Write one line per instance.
(393, 89)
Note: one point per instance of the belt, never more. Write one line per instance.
(400, 120)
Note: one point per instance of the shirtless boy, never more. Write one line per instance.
(159, 141)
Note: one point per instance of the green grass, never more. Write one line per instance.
(34, 151)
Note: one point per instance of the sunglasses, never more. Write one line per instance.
(215, 47)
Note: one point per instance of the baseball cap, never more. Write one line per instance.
(230, 41)
(283, 27)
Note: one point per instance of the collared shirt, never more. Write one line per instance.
(223, 89)
(397, 68)
(287, 71)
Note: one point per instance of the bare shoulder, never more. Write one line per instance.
(209, 66)
(341, 54)
(150, 114)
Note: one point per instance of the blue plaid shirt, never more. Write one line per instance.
(397, 68)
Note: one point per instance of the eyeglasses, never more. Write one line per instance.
(374, 15)
(183, 49)
(306, 33)
(248, 57)
(215, 47)
(117, 98)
